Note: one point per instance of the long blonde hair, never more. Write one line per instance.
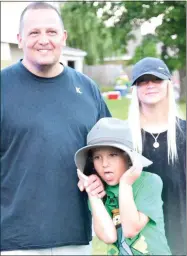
(135, 124)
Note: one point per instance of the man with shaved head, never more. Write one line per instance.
(47, 111)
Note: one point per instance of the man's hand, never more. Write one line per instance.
(132, 174)
(92, 184)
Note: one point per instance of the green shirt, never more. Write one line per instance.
(147, 191)
(151, 240)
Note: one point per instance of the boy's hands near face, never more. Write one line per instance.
(132, 174)
(91, 184)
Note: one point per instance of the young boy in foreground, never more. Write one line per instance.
(131, 215)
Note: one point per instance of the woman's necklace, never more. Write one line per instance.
(155, 144)
(161, 129)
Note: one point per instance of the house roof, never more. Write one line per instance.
(75, 51)
(66, 50)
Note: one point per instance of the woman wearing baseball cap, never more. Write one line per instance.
(160, 135)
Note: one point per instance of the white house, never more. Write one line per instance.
(10, 53)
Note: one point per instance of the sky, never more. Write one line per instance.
(149, 27)
(9, 27)
(10, 15)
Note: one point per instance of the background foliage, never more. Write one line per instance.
(104, 29)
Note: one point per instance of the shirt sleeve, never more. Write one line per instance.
(102, 107)
(148, 199)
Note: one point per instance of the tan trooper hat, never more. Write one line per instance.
(109, 131)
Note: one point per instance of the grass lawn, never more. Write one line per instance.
(119, 109)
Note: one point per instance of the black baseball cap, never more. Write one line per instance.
(151, 66)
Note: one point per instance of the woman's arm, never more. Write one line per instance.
(102, 222)
(132, 220)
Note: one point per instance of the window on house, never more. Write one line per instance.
(71, 64)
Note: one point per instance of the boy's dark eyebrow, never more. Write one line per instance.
(94, 152)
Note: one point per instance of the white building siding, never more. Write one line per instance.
(5, 51)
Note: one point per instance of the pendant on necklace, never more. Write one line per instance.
(155, 144)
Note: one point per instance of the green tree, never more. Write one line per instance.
(86, 30)
(90, 33)
(148, 47)
(172, 31)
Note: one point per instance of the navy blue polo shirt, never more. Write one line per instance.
(44, 121)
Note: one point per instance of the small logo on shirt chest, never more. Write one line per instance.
(78, 90)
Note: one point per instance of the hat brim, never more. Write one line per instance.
(157, 74)
(81, 154)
